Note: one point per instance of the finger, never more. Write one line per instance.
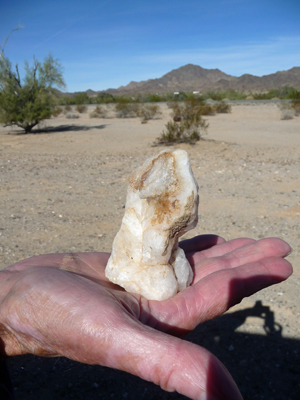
(201, 242)
(171, 363)
(218, 250)
(215, 294)
(243, 251)
(222, 290)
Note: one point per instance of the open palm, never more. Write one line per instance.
(62, 305)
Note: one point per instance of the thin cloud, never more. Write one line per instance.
(247, 58)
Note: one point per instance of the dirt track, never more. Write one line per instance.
(64, 190)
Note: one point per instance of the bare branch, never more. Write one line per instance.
(35, 68)
(18, 79)
(5, 63)
(18, 28)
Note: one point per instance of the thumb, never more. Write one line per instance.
(173, 364)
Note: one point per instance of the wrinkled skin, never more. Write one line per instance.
(62, 305)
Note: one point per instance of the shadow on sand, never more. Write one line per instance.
(57, 129)
(67, 128)
(264, 366)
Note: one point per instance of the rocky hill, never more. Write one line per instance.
(190, 78)
(195, 78)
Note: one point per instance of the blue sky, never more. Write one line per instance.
(108, 43)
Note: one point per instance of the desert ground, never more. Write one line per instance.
(63, 188)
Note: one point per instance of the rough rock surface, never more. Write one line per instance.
(162, 205)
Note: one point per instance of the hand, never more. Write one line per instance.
(62, 305)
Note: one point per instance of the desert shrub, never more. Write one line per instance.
(194, 100)
(286, 111)
(105, 98)
(81, 108)
(192, 105)
(287, 114)
(285, 92)
(196, 105)
(261, 96)
(296, 107)
(173, 105)
(180, 96)
(81, 98)
(206, 109)
(149, 111)
(222, 107)
(295, 104)
(72, 116)
(185, 131)
(188, 125)
(294, 95)
(98, 112)
(216, 96)
(57, 111)
(67, 109)
(127, 110)
(76, 99)
(290, 109)
(153, 98)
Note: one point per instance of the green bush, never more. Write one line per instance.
(153, 98)
(222, 107)
(105, 98)
(206, 109)
(57, 111)
(286, 111)
(98, 112)
(191, 105)
(25, 102)
(125, 109)
(289, 110)
(67, 108)
(285, 92)
(149, 111)
(81, 98)
(294, 95)
(296, 107)
(72, 116)
(187, 126)
(185, 131)
(81, 108)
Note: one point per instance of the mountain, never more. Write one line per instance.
(191, 78)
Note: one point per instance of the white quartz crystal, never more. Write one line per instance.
(162, 204)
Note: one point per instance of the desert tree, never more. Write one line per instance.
(25, 102)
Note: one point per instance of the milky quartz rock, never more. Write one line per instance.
(162, 205)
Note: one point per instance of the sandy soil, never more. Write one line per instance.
(63, 189)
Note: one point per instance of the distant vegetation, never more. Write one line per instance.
(285, 93)
(99, 112)
(289, 110)
(149, 111)
(127, 109)
(81, 108)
